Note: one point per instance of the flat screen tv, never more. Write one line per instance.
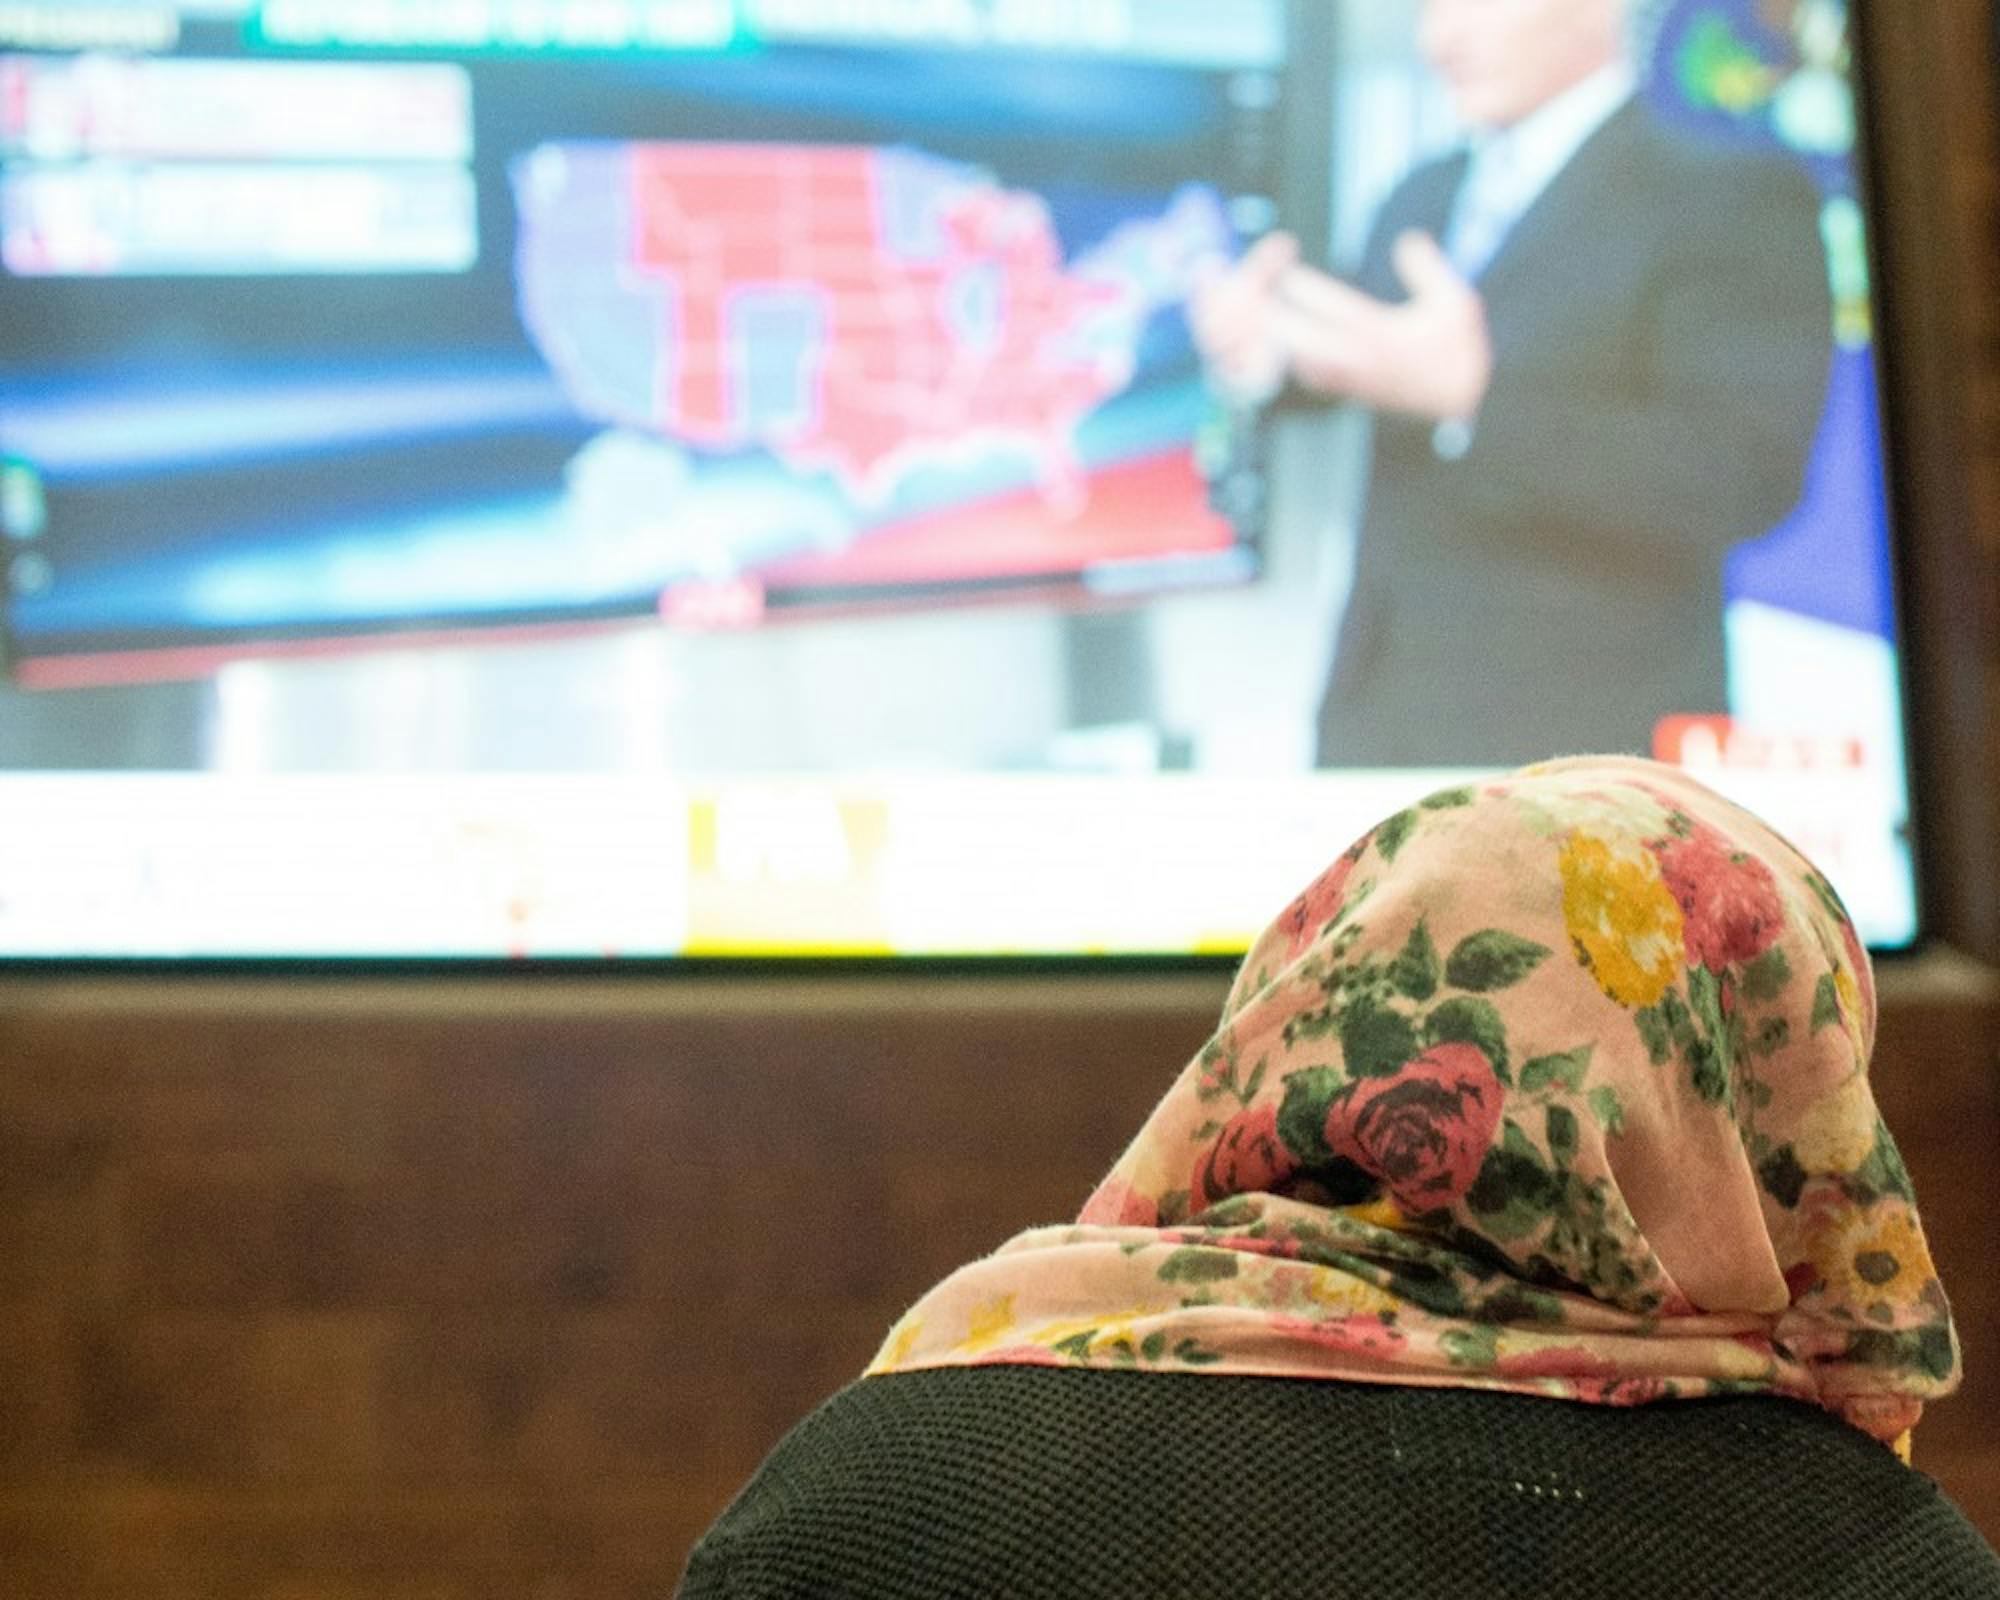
(581, 479)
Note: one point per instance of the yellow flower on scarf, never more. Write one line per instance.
(1106, 1333)
(1848, 992)
(1382, 1212)
(989, 1325)
(896, 1349)
(1837, 1133)
(1886, 1262)
(1622, 919)
(1348, 1296)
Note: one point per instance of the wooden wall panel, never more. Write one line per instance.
(1937, 171)
(459, 1291)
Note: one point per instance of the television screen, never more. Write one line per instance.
(928, 477)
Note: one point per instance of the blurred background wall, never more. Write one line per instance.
(458, 1291)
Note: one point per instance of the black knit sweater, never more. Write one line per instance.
(1026, 1482)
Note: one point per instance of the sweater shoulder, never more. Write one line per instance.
(1085, 1483)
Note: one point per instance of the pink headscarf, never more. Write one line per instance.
(1556, 1085)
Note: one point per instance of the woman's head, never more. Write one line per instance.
(1556, 1082)
(1592, 1014)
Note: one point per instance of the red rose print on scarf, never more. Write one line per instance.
(1020, 1355)
(1557, 1361)
(1302, 920)
(1246, 1158)
(1730, 911)
(1424, 1130)
(1331, 1190)
(1116, 1204)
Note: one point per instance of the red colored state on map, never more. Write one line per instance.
(852, 309)
(967, 326)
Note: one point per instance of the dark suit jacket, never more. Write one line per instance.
(1661, 327)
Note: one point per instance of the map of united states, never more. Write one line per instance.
(858, 310)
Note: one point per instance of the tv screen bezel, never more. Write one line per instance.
(1895, 379)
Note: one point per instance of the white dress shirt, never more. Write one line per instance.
(1510, 167)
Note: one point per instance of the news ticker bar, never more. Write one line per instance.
(1242, 34)
(192, 866)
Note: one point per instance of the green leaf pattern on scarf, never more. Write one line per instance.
(1422, 1166)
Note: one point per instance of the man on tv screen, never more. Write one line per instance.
(1597, 348)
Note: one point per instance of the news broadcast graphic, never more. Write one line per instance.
(645, 478)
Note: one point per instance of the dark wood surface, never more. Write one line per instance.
(456, 1291)
(1937, 169)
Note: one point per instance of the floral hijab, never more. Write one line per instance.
(1555, 1085)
